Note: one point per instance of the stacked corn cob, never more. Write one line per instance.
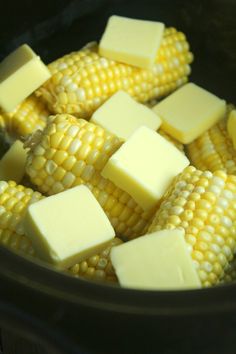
(214, 149)
(83, 80)
(203, 205)
(68, 151)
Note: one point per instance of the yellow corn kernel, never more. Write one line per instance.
(97, 267)
(83, 80)
(13, 203)
(209, 225)
(230, 273)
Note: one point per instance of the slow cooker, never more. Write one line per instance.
(43, 311)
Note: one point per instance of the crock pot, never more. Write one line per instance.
(44, 311)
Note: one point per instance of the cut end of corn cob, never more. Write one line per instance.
(83, 80)
(203, 204)
(29, 116)
(214, 149)
(70, 152)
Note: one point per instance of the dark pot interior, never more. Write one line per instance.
(67, 315)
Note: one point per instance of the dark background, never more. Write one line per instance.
(56, 27)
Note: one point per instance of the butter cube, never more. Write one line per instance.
(158, 261)
(122, 115)
(231, 126)
(189, 112)
(21, 73)
(131, 41)
(144, 166)
(12, 164)
(68, 227)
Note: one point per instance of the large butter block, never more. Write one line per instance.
(122, 115)
(21, 73)
(68, 227)
(12, 164)
(131, 41)
(231, 126)
(144, 166)
(158, 261)
(189, 111)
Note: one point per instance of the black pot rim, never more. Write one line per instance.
(43, 280)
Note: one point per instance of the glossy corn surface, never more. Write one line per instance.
(203, 204)
(70, 152)
(83, 80)
(214, 149)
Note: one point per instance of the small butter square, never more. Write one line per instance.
(189, 112)
(122, 115)
(21, 73)
(144, 166)
(12, 164)
(68, 227)
(131, 41)
(158, 261)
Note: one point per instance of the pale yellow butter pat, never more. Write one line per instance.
(189, 111)
(144, 166)
(122, 115)
(231, 126)
(21, 73)
(68, 227)
(131, 41)
(158, 261)
(12, 164)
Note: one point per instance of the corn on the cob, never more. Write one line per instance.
(83, 80)
(99, 266)
(29, 116)
(214, 149)
(71, 151)
(203, 204)
(14, 199)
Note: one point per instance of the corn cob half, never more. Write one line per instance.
(14, 200)
(29, 116)
(70, 152)
(83, 80)
(203, 204)
(214, 149)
